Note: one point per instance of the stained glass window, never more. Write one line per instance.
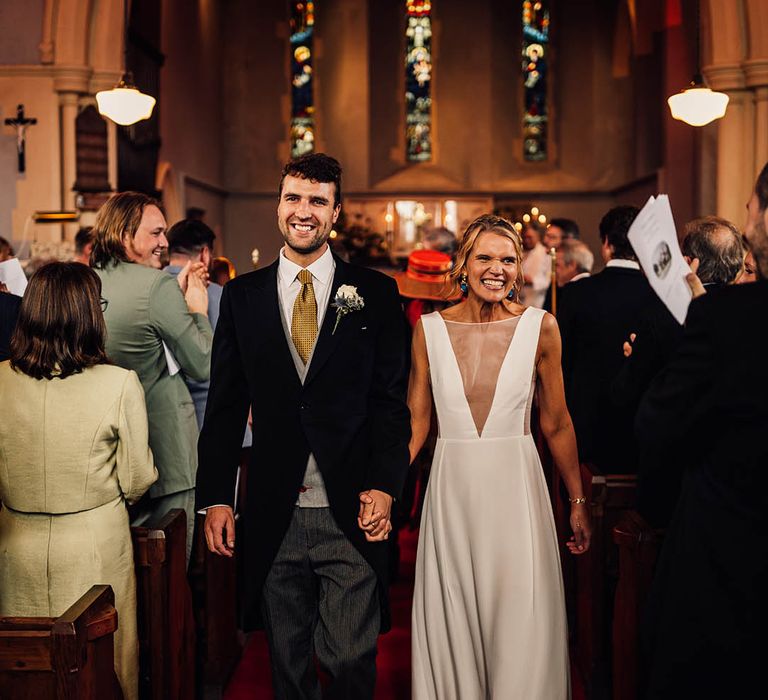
(535, 62)
(418, 78)
(302, 97)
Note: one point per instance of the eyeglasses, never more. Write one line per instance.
(104, 304)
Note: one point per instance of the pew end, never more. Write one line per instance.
(213, 580)
(164, 609)
(596, 573)
(638, 545)
(66, 658)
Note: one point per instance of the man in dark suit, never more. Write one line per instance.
(596, 316)
(718, 246)
(9, 312)
(708, 606)
(318, 348)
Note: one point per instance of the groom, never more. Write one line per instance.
(324, 368)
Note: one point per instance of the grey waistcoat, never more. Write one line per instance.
(315, 495)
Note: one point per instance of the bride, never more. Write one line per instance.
(488, 615)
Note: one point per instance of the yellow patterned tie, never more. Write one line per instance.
(304, 321)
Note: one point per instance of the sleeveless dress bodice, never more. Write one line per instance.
(483, 379)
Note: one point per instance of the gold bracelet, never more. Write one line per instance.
(577, 501)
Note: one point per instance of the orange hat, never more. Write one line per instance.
(426, 276)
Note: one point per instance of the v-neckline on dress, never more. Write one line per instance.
(457, 368)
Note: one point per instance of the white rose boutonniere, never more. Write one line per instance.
(345, 301)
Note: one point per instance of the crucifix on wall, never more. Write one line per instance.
(20, 123)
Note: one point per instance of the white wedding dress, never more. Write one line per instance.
(488, 615)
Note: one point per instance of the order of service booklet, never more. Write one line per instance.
(654, 239)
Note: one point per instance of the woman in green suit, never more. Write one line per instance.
(73, 450)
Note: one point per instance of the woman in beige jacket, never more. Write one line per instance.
(73, 450)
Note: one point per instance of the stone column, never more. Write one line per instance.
(756, 75)
(106, 80)
(734, 140)
(69, 82)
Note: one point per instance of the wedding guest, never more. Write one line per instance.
(158, 327)
(750, 269)
(423, 284)
(596, 316)
(223, 270)
(74, 441)
(9, 312)
(6, 250)
(536, 264)
(440, 239)
(716, 245)
(708, 605)
(84, 245)
(573, 262)
(562, 229)
(191, 240)
(488, 607)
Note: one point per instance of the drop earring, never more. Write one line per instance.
(463, 284)
(512, 294)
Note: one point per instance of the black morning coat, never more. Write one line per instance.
(708, 609)
(596, 316)
(351, 413)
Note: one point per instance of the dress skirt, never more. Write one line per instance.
(488, 610)
(47, 562)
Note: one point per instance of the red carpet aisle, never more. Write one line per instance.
(251, 680)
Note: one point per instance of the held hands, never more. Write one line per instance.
(627, 347)
(374, 516)
(582, 529)
(220, 530)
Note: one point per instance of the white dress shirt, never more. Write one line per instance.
(626, 264)
(322, 278)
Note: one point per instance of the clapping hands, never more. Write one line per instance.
(193, 280)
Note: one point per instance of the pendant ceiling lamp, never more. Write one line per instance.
(697, 105)
(124, 103)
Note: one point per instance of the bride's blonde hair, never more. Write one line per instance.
(487, 223)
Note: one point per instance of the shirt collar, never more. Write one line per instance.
(322, 269)
(626, 264)
(580, 276)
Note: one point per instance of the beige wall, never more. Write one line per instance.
(190, 104)
(21, 25)
(39, 187)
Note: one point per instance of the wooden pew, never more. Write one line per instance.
(638, 545)
(65, 658)
(609, 496)
(215, 594)
(164, 607)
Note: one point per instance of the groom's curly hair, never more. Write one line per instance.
(317, 167)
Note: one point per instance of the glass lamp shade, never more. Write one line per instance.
(698, 105)
(124, 104)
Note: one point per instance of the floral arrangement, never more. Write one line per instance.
(345, 301)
